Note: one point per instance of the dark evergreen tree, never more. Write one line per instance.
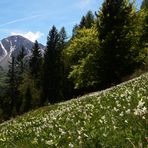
(52, 68)
(82, 22)
(12, 91)
(20, 69)
(28, 98)
(144, 37)
(144, 4)
(74, 31)
(65, 84)
(87, 21)
(35, 61)
(62, 45)
(26, 104)
(62, 37)
(115, 55)
(21, 64)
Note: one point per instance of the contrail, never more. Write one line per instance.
(20, 20)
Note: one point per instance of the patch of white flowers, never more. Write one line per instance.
(83, 121)
(140, 110)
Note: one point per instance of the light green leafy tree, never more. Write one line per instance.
(81, 53)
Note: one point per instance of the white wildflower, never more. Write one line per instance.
(128, 111)
(62, 131)
(100, 121)
(49, 142)
(35, 141)
(103, 117)
(115, 109)
(104, 134)
(85, 135)
(137, 112)
(144, 110)
(140, 104)
(114, 127)
(121, 114)
(122, 95)
(118, 105)
(126, 121)
(141, 109)
(71, 145)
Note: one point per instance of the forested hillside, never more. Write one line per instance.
(106, 48)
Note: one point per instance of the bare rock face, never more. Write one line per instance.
(12, 46)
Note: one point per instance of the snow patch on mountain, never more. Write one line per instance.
(4, 52)
(12, 48)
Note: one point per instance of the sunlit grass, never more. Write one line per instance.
(117, 117)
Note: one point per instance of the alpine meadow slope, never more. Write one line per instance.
(116, 117)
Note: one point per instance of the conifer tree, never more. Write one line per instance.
(87, 21)
(65, 84)
(35, 76)
(62, 37)
(35, 61)
(144, 4)
(12, 82)
(20, 63)
(20, 69)
(26, 103)
(115, 54)
(82, 22)
(144, 37)
(52, 68)
(74, 30)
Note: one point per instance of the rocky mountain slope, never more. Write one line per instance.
(13, 45)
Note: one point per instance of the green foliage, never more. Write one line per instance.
(12, 91)
(142, 33)
(144, 36)
(116, 57)
(62, 38)
(87, 21)
(2, 82)
(117, 117)
(21, 64)
(36, 61)
(52, 68)
(144, 4)
(81, 53)
(30, 93)
(102, 52)
(74, 31)
(26, 103)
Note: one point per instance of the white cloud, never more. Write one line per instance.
(86, 4)
(83, 3)
(32, 36)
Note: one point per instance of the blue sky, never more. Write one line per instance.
(34, 18)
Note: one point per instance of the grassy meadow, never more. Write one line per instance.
(116, 117)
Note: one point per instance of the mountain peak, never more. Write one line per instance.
(13, 45)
